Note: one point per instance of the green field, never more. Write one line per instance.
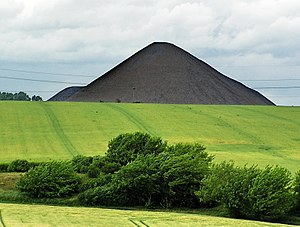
(41, 131)
(40, 215)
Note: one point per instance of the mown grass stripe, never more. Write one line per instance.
(133, 118)
(59, 131)
(138, 223)
(133, 222)
(1, 220)
(144, 223)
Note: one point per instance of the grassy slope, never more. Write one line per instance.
(39, 215)
(246, 134)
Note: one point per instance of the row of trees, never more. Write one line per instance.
(140, 170)
(20, 96)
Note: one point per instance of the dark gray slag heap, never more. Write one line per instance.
(165, 73)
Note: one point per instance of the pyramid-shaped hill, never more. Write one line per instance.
(165, 73)
(65, 94)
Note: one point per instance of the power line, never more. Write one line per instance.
(283, 87)
(266, 80)
(42, 81)
(47, 73)
(29, 91)
(284, 96)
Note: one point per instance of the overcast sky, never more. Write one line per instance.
(253, 41)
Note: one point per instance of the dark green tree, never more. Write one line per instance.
(18, 165)
(167, 178)
(36, 98)
(127, 147)
(249, 192)
(212, 188)
(54, 179)
(21, 96)
(297, 191)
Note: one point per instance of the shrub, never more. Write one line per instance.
(19, 165)
(169, 178)
(93, 171)
(54, 179)
(213, 185)
(110, 167)
(4, 167)
(297, 190)
(183, 167)
(126, 147)
(99, 161)
(270, 196)
(101, 180)
(81, 163)
(249, 192)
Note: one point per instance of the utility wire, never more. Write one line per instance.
(30, 91)
(266, 80)
(42, 81)
(78, 83)
(47, 73)
(283, 87)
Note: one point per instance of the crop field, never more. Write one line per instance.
(42, 131)
(41, 215)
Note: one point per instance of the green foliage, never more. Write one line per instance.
(153, 174)
(54, 179)
(81, 163)
(127, 147)
(270, 195)
(36, 98)
(110, 167)
(212, 188)
(297, 190)
(21, 96)
(101, 180)
(250, 192)
(18, 166)
(4, 167)
(93, 171)
(139, 182)
(104, 165)
(183, 167)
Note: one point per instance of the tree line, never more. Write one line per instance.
(20, 96)
(141, 170)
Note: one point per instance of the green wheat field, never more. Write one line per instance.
(43, 131)
(40, 215)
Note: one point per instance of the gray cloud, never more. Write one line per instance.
(224, 33)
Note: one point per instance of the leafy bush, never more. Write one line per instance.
(169, 178)
(126, 147)
(270, 195)
(18, 165)
(110, 167)
(99, 161)
(297, 190)
(54, 179)
(250, 192)
(101, 180)
(4, 167)
(93, 171)
(213, 185)
(183, 168)
(81, 163)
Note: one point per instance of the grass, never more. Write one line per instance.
(41, 215)
(8, 180)
(43, 131)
